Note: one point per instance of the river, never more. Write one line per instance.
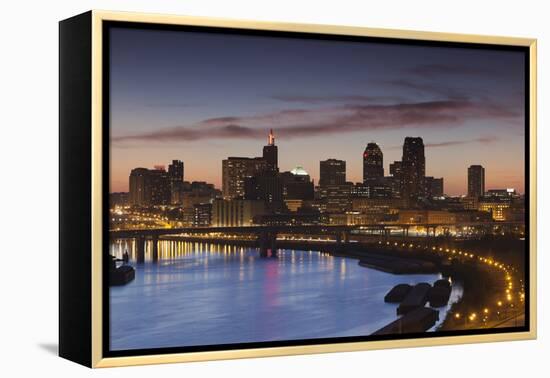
(205, 294)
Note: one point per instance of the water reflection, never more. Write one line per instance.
(203, 294)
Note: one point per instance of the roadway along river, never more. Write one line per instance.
(203, 294)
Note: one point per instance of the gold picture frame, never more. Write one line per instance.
(93, 263)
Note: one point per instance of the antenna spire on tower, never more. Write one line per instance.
(271, 138)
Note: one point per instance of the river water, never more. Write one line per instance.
(205, 294)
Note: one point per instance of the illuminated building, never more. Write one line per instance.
(503, 204)
(476, 181)
(189, 194)
(288, 219)
(160, 187)
(352, 218)
(470, 203)
(227, 213)
(235, 170)
(332, 172)
(293, 204)
(508, 193)
(441, 217)
(267, 187)
(139, 188)
(413, 169)
(337, 198)
(297, 185)
(373, 163)
(372, 189)
(496, 206)
(149, 187)
(426, 217)
(175, 175)
(395, 178)
(376, 205)
(202, 215)
(270, 153)
(175, 171)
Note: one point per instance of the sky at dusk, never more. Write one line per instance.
(201, 97)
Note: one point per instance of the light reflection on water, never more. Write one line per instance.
(204, 294)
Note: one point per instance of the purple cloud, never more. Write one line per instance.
(294, 123)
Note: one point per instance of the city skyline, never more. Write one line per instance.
(168, 166)
(327, 98)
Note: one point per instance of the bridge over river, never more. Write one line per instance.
(266, 236)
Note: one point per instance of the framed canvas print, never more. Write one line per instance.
(234, 189)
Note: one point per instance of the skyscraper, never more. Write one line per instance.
(139, 194)
(175, 176)
(332, 172)
(373, 163)
(175, 171)
(235, 170)
(297, 184)
(270, 153)
(149, 187)
(413, 168)
(476, 181)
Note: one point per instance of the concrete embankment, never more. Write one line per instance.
(398, 265)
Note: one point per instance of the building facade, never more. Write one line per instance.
(237, 212)
(235, 170)
(413, 169)
(476, 181)
(149, 187)
(332, 172)
(373, 163)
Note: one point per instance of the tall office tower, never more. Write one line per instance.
(160, 186)
(332, 172)
(235, 170)
(139, 188)
(413, 168)
(149, 187)
(267, 187)
(175, 176)
(270, 153)
(373, 163)
(476, 181)
(297, 184)
(175, 171)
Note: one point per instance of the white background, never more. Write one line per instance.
(29, 215)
